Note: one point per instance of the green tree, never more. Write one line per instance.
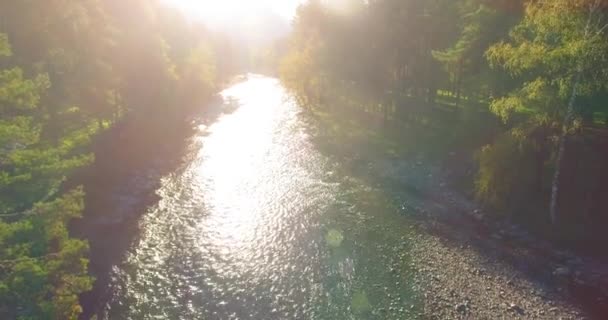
(558, 52)
(73, 70)
(42, 270)
(482, 25)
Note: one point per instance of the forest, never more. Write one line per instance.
(69, 72)
(509, 96)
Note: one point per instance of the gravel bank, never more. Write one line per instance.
(459, 283)
(470, 266)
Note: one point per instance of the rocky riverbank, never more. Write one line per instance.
(469, 266)
(458, 282)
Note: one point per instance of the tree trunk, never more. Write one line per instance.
(540, 165)
(593, 8)
(562, 151)
(459, 84)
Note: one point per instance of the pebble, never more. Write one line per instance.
(479, 278)
(515, 308)
(562, 272)
(462, 308)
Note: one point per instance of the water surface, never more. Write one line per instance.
(258, 224)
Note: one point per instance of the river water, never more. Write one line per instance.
(260, 224)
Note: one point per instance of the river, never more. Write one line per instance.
(260, 224)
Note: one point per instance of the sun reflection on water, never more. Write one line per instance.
(255, 226)
(233, 167)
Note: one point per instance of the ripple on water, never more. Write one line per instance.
(250, 227)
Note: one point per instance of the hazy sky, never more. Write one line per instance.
(225, 11)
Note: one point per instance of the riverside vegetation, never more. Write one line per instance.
(509, 96)
(70, 71)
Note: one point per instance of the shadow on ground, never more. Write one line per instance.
(557, 274)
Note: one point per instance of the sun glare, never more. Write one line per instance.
(214, 11)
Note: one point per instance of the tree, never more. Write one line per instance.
(558, 52)
(37, 258)
(483, 23)
(73, 70)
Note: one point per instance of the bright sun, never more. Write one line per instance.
(226, 10)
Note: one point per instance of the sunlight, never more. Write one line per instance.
(235, 161)
(229, 10)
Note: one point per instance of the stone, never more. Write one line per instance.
(497, 236)
(562, 272)
(517, 309)
(462, 308)
(577, 261)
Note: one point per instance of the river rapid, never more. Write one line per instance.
(259, 224)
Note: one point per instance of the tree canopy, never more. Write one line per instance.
(70, 70)
(511, 84)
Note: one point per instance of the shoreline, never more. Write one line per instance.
(465, 266)
(469, 266)
(122, 184)
(458, 244)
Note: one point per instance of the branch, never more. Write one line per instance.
(16, 214)
(29, 212)
(8, 263)
(593, 7)
(601, 30)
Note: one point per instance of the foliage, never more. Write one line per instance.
(70, 70)
(511, 169)
(508, 81)
(548, 49)
(558, 55)
(43, 270)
